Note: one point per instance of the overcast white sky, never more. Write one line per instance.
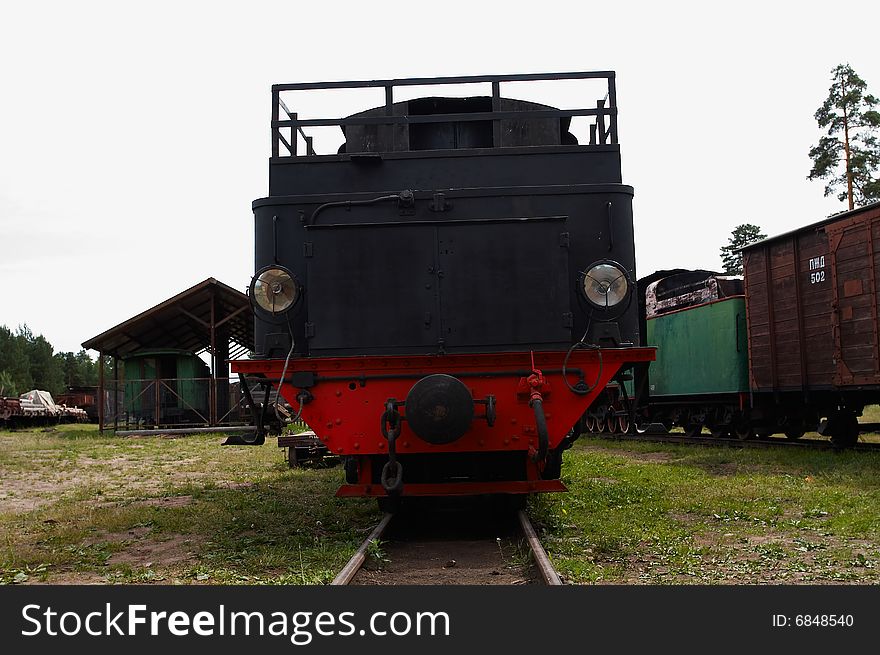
(134, 136)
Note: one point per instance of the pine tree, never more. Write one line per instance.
(28, 361)
(14, 362)
(78, 369)
(46, 372)
(848, 157)
(741, 236)
(7, 384)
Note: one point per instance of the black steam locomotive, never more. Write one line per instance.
(443, 295)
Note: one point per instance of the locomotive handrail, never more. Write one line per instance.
(293, 117)
(599, 133)
(430, 81)
(441, 118)
(425, 222)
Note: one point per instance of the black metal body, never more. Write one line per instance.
(445, 226)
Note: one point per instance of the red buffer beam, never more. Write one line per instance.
(349, 394)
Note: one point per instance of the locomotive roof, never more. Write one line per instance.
(815, 226)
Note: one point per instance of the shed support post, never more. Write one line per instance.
(101, 391)
(221, 384)
(115, 393)
(212, 394)
(158, 409)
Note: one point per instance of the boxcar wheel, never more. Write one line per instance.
(744, 432)
(693, 430)
(794, 433)
(845, 430)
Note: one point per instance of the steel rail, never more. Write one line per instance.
(348, 572)
(542, 561)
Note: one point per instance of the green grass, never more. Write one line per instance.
(171, 510)
(658, 514)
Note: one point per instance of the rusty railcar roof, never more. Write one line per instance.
(184, 322)
(815, 226)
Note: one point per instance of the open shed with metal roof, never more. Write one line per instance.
(161, 345)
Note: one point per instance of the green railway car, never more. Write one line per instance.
(700, 350)
(697, 320)
(166, 387)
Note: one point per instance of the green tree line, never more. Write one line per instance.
(28, 361)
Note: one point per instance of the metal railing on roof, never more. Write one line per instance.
(603, 130)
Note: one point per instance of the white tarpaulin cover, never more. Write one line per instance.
(39, 400)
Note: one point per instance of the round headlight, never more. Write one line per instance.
(605, 285)
(274, 290)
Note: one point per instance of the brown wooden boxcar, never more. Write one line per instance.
(812, 298)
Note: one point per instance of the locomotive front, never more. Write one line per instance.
(443, 296)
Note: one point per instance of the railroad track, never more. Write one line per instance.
(459, 547)
(346, 575)
(730, 442)
(539, 555)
